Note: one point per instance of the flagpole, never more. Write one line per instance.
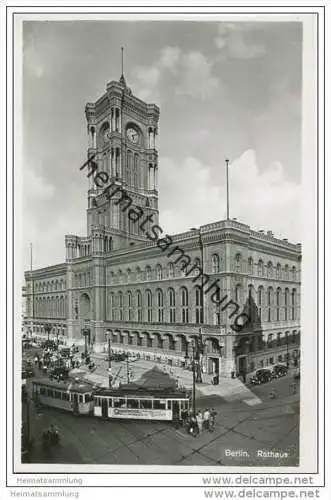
(30, 256)
(227, 190)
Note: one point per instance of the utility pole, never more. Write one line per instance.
(30, 256)
(193, 372)
(127, 368)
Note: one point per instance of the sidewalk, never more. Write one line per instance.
(228, 389)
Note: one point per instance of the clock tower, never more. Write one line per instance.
(122, 132)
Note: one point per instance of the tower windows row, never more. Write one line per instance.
(133, 174)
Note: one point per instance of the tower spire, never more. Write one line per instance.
(122, 79)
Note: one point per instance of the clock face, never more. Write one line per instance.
(132, 135)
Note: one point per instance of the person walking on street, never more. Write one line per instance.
(200, 420)
(206, 417)
(213, 414)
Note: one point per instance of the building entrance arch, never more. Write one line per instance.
(84, 307)
(85, 317)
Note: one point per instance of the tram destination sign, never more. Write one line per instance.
(138, 413)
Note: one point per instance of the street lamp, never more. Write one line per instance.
(193, 372)
(287, 353)
(86, 334)
(48, 329)
(107, 335)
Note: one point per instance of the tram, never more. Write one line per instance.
(133, 404)
(73, 396)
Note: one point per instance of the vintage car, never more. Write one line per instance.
(279, 371)
(261, 376)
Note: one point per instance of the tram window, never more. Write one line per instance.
(97, 401)
(110, 402)
(42, 391)
(49, 393)
(57, 395)
(132, 403)
(119, 403)
(65, 396)
(81, 398)
(88, 398)
(146, 404)
(159, 405)
(169, 405)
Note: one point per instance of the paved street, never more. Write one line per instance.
(272, 425)
(244, 434)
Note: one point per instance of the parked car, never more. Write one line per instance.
(261, 376)
(115, 356)
(279, 371)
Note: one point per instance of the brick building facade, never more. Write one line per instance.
(117, 280)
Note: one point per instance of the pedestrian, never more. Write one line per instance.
(200, 420)
(293, 388)
(213, 414)
(206, 417)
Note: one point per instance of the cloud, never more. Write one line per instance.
(263, 199)
(191, 71)
(36, 187)
(232, 41)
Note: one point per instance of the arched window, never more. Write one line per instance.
(278, 292)
(148, 272)
(184, 304)
(293, 304)
(160, 305)
(120, 277)
(238, 294)
(250, 265)
(112, 306)
(215, 262)
(216, 307)
(136, 172)
(237, 263)
(120, 305)
(129, 171)
(286, 304)
(139, 306)
(171, 271)
(129, 303)
(149, 306)
(198, 304)
(129, 275)
(260, 268)
(172, 305)
(269, 270)
(158, 272)
(294, 273)
(138, 274)
(278, 271)
(270, 340)
(270, 300)
(286, 272)
(260, 301)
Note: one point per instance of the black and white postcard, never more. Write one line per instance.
(166, 196)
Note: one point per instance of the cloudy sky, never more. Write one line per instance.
(224, 89)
